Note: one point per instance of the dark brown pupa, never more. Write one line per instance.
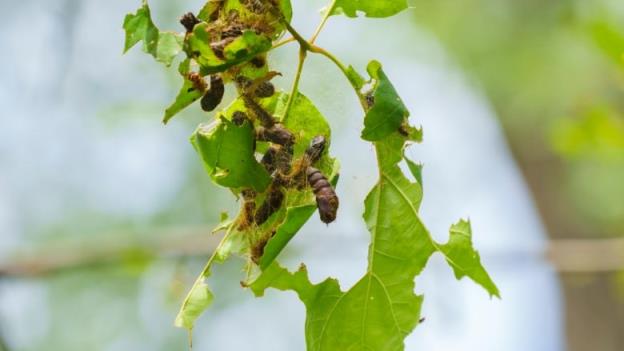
(189, 21)
(326, 198)
(213, 96)
(265, 118)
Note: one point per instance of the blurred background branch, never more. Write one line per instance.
(566, 255)
(166, 243)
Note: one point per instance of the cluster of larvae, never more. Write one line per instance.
(286, 173)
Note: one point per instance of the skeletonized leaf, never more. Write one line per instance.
(163, 46)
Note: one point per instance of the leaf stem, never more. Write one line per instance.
(283, 42)
(296, 36)
(326, 16)
(295, 87)
(318, 50)
(304, 47)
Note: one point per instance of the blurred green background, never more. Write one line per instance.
(106, 214)
(554, 71)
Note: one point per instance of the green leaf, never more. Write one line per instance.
(199, 48)
(298, 207)
(207, 11)
(463, 258)
(286, 9)
(415, 169)
(246, 46)
(228, 154)
(388, 112)
(187, 95)
(381, 309)
(197, 301)
(164, 46)
(382, 304)
(242, 49)
(370, 8)
(355, 78)
(295, 218)
(306, 122)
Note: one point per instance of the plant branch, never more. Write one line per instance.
(566, 255)
(180, 242)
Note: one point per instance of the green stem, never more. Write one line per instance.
(295, 87)
(317, 50)
(318, 30)
(298, 37)
(304, 47)
(283, 42)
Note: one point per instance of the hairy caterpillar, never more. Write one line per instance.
(272, 203)
(265, 118)
(277, 134)
(265, 89)
(248, 209)
(239, 117)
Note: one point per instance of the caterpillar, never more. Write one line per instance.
(270, 158)
(315, 150)
(260, 113)
(277, 134)
(214, 95)
(272, 203)
(219, 46)
(265, 89)
(248, 209)
(255, 6)
(239, 117)
(326, 198)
